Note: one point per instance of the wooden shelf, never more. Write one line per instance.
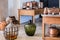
(49, 20)
(47, 37)
(51, 15)
(52, 38)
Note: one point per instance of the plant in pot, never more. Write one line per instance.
(30, 28)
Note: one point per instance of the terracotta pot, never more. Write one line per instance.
(2, 25)
(53, 31)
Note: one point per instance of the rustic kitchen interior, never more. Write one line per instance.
(29, 19)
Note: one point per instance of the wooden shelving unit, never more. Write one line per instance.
(49, 20)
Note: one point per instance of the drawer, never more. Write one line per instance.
(52, 38)
(27, 12)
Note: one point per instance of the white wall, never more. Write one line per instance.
(3, 9)
(13, 6)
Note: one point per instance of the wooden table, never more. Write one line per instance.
(29, 13)
(49, 20)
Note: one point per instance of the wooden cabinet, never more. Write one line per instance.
(49, 20)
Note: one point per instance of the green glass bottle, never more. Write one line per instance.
(30, 28)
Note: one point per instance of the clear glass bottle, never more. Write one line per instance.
(11, 31)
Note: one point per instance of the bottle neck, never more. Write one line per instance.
(10, 21)
(30, 22)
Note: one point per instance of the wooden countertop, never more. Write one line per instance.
(51, 15)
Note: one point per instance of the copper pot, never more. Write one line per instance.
(46, 10)
(28, 4)
(53, 31)
(34, 4)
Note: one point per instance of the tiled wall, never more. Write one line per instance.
(3, 9)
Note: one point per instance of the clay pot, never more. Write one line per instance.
(53, 31)
(2, 25)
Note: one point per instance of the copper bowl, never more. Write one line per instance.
(53, 32)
